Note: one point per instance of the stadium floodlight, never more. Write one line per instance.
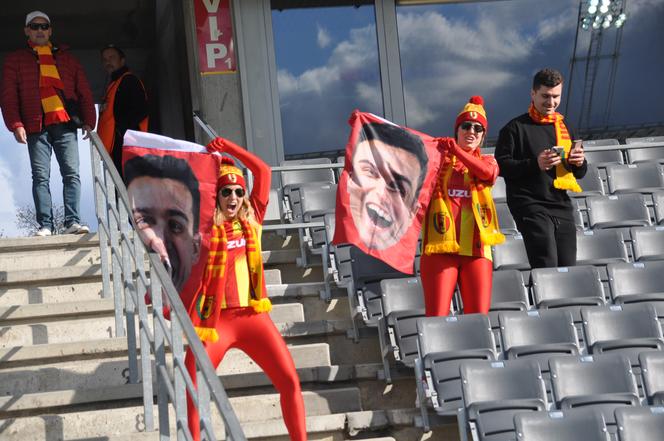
(602, 14)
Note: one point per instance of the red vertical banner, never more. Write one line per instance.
(214, 36)
(385, 189)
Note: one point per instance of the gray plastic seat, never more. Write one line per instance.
(638, 283)
(495, 391)
(658, 199)
(640, 423)
(314, 201)
(292, 180)
(403, 304)
(510, 254)
(561, 425)
(600, 247)
(443, 343)
(591, 183)
(508, 293)
(538, 335)
(624, 329)
(601, 158)
(647, 154)
(633, 178)
(499, 190)
(652, 371)
(603, 382)
(567, 287)
(648, 243)
(506, 222)
(614, 211)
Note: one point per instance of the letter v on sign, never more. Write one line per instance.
(211, 5)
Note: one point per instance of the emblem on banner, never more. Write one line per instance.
(485, 214)
(205, 306)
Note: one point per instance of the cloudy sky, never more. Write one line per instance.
(327, 61)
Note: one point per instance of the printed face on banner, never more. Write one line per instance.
(165, 200)
(383, 190)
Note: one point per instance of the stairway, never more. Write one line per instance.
(64, 376)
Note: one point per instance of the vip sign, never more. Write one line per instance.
(214, 35)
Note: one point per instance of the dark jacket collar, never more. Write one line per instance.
(118, 73)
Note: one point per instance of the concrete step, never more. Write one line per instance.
(21, 260)
(110, 368)
(65, 401)
(398, 423)
(38, 313)
(59, 241)
(51, 292)
(86, 328)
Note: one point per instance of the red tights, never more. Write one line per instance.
(439, 274)
(256, 335)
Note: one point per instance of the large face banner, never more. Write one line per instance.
(384, 189)
(171, 186)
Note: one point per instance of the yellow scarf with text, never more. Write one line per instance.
(565, 179)
(208, 299)
(440, 228)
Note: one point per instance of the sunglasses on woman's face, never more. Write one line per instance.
(477, 128)
(225, 192)
(42, 26)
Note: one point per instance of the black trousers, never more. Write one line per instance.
(550, 240)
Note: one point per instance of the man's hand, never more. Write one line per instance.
(20, 135)
(548, 159)
(86, 131)
(576, 155)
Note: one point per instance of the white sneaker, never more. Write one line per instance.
(76, 228)
(43, 232)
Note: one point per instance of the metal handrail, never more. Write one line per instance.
(125, 277)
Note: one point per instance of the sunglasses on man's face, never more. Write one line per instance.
(42, 26)
(225, 192)
(477, 128)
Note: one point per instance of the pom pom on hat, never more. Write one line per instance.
(229, 174)
(472, 111)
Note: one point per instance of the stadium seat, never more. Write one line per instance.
(591, 183)
(600, 247)
(648, 243)
(658, 199)
(293, 179)
(495, 391)
(403, 304)
(623, 329)
(615, 211)
(646, 154)
(638, 283)
(640, 423)
(652, 371)
(510, 254)
(559, 425)
(499, 191)
(538, 335)
(273, 212)
(505, 220)
(601, 158)
(632, 178)
(567, 287)
(508, 293)
(443, 343)
(602, 382)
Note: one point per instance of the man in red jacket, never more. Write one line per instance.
(37, 81)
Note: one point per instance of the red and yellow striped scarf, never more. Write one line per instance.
(49, 83)
(210, 291)
(565, 179)
(440, 229)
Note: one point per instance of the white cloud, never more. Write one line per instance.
(8, 203)
(323, 37)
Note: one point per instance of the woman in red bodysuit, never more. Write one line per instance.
(461, 224)
(232, 305)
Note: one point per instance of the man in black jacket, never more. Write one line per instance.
(125, 105)
(540, 162)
